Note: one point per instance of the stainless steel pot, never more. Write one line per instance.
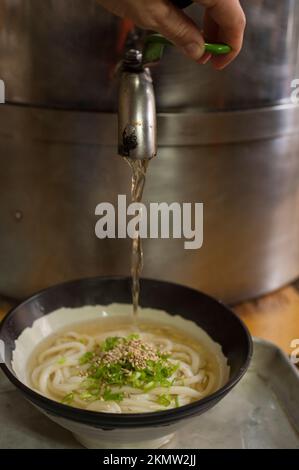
(228, 139)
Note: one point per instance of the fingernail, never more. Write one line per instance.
(194, 50)
(205, 58)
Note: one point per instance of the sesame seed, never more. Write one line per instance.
(134, 351)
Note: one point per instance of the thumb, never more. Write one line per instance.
(180, 30)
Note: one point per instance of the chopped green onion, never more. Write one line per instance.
(108, 395)
(149, 386)
(87, 357)
(164, 400)
(110, 343)
(68, 399)
(86, 396)
(132, 337)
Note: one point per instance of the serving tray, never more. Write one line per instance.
(261, 412)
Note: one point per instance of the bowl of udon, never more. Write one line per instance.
(115, 380)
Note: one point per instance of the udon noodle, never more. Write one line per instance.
(135, 369)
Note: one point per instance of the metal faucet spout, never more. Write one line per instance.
(137, 127)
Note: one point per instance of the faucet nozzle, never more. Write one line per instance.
(137, 129)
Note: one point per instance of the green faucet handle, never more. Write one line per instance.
(217, 49)
(155, 43)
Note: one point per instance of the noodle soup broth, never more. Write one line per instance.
(116, 364)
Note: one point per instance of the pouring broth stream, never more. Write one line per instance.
(139, 169)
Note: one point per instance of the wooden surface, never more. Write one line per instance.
(4, 307)
(274, 317)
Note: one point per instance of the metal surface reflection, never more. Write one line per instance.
(227, 139)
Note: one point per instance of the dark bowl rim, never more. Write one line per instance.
(124, 420)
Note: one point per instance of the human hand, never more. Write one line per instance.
(224, 21)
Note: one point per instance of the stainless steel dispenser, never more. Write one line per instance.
(229, 139)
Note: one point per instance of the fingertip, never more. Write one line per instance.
(219, 67)
(194, 50)
(205, 58)
(220, 62)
